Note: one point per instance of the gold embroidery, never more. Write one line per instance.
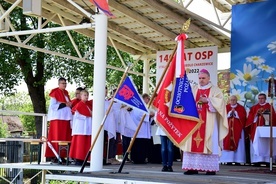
(198, 139)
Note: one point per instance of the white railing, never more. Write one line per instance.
(44, 127)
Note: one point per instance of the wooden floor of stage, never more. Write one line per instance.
(151, 173)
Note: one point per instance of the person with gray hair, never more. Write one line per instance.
(202, 149)
(234, 143)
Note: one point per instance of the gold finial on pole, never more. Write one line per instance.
(186, 26)
(271, 86)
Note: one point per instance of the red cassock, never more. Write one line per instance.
(74, 102)
(236, 125)
(81, 139)
(257, 110)
(59, 129)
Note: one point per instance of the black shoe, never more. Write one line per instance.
(165, 169)
(105, 163)
(64, 161)
(211, 173)
(78, 162)
(87, 164)
(257, 164)
(190, 172)
(54, 161)
(170, 169)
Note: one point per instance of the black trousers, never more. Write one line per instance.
(154, 152)
(139, 151)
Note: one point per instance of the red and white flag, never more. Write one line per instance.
(176, 107)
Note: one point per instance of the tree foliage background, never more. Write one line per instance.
(35, 68)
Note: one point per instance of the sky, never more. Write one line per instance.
(53, 83)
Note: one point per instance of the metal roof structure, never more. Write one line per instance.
(143, 26)
(140, 27)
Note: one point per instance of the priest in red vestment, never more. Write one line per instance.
(255, 119)
(234, 143)
(59, 115)
(202, 149)
(81, 129)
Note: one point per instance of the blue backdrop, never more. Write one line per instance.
(253, 49)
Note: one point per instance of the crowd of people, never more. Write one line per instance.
(71, 120)
(226, 132)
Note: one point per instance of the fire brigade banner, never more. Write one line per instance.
(128, 95)
(177, 128)
(182, 103)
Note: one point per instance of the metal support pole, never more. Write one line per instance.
(271, 122)
(146, 76)
(99, 89)
(48, 30)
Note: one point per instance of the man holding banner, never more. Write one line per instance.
(202, 149)
(195, 121)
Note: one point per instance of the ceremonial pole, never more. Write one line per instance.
(271, 91)
(103, 121)
(184, 29)
(271, 121)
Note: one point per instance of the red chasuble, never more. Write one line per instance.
(59, 95)
(83, 108)
(198, 138)
(236, 125)
(250, 125)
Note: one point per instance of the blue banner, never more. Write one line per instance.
(253, 50)
(183, 103)
(128, 95)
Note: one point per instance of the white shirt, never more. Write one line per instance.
(58, 114)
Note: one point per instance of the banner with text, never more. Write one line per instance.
(195, 60)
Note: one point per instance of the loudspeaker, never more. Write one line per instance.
(32, 7)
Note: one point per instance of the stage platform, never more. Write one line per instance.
(44, 166)
(151, 174)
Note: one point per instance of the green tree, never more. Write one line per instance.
(3, 129)
(35, 68)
